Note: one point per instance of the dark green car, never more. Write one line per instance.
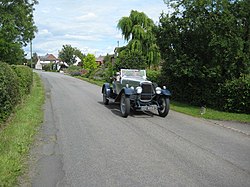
(131, 89)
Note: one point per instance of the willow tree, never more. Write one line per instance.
(137, 30)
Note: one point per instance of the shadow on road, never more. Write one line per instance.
(115, 109)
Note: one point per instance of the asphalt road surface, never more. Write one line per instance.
(85, 143)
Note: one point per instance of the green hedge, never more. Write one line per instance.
(153, 76)
(9, 90)
(231, 96)
(25, 76)
(15, 82)
(235, 95)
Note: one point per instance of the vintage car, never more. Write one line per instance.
(132, 90)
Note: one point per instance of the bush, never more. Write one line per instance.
(109, 71)
(98, 74)
(9, 90)
(75, 70)
(48, 67)
(236, 95)
(231, 96)
(25, 76)
(153, 76)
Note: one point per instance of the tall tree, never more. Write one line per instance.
(17, 28)
(204, 44)
(68, 54)
(137, 29)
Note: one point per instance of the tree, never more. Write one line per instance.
(137, 29)
(204, 44)
(67, 54)
(130, 60)
(241, 10)
(17, 29)
(89, 63)
(79, 54)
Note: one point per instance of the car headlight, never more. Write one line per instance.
(138, 90)
(158, 90)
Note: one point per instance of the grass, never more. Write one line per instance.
(195, 111)
(97, 82)
(18, 134)
(210, 113)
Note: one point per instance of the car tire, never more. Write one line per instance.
(164, 106)
(125, 106)
(104, 98)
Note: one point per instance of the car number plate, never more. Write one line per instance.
(152, 107)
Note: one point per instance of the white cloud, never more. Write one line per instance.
(44, 33)
(87, 17)
(88, 25)
(82, 37)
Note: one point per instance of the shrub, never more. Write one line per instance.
(235, 95)
(109, 71)
(74, 70)
(98, 74)
(9, 90)
(153, 76)
(25, 76)
(48, 67)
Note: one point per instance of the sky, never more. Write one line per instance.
(89, 25)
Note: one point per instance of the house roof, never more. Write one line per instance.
(48, 57)
(100, 59)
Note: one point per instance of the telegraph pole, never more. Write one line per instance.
(31, 63)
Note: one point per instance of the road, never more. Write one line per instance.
(84, 143)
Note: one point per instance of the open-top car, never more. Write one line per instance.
(132, 90)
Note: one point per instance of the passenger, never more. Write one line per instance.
(118, 76)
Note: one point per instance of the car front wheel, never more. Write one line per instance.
(104, 98)
(164, 106)
(125, 106)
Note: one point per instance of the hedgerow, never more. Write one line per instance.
(15, 82)
(153, 75)
(236, 95)
(9, 90)
(25, 76)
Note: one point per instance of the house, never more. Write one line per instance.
(44, 60)
(78, 61)
(100, 60)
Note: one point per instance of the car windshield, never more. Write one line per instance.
(133, 73)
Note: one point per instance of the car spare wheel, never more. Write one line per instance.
(125, 105)
(164, 106)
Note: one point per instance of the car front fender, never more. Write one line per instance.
(126, 91)
(165, 92)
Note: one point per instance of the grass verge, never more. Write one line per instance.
(210, 113)
(97, 82)
(195, 111)
(18, 134)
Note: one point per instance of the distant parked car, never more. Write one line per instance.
(131, 89)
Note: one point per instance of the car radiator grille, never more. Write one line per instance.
(147, 91)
